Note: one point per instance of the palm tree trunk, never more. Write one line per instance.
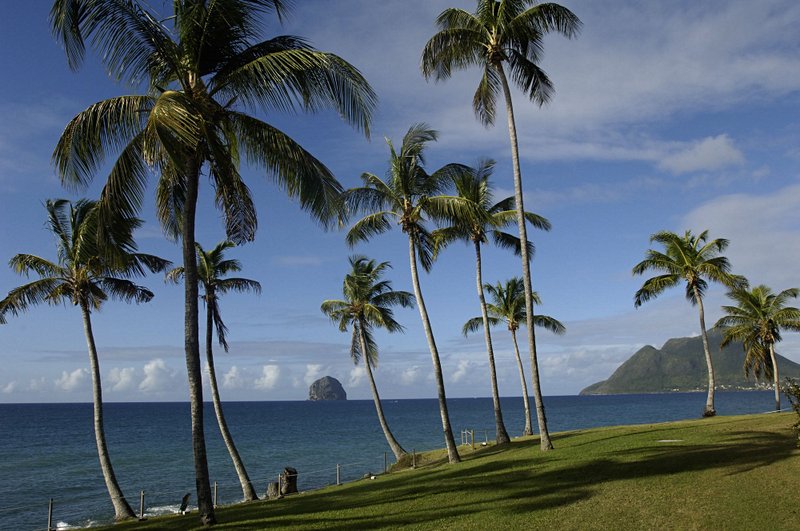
(122, 508)
(545, 443)
(450, 443)
(501, 435)
(775, 377)
(397, 450)
(709, 410)
(528, 424)
(205, 502)
(247, 486)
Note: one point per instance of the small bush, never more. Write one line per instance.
(792, 390)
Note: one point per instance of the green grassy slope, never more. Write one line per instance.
(719, 473)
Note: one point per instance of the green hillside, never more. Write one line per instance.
(680, 365)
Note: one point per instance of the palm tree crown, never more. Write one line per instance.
(87, 272)
(367, 305)
(505, 32)
(756, 321)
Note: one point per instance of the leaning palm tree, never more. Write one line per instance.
(508, 306)
(757, 321)
(407, 195)
(212, 266)
(503, 34)
(85, 275)
(205, 68)
(474, 217)
(691, 259)
(366, 305)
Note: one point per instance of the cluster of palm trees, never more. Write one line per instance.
(204, 66)
(756, 319)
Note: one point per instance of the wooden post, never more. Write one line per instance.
(280, 487)
(141, 505)
(472, 433)
(50, 515)
(337, 474)
(216, 500)
(413, 459)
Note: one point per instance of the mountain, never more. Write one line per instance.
(680, 365)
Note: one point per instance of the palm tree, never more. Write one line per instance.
(508, 306)
(205, 68)
(367, 304)
(212, 266)
(691, 259)
(757, 321)
(499, 34)
(86, 275)
(472, 221)
(407, 195)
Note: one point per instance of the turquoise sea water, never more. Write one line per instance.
(48, 451)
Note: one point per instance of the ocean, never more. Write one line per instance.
(48, 450)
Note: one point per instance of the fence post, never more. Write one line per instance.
(486, 436)
(50, 515)
(280, 487)
(413, 459)
(141, 505)
(215, 494)
(472, 433)
(337, 474)
(385, 465)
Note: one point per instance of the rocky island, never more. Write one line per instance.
(327, 388)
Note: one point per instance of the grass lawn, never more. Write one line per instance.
(738, 472)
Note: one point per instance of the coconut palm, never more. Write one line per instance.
(212, 266)
(503, 34)
(508, 306)
(757, 321)
(366, 305)
(86, 275)
(407, 195)
(693, 259)
(205, 69)
(474, 218)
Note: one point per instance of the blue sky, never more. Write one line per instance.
(679, 115)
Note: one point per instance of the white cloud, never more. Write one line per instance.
(464, 368)
(410, 376)
(712, 153)
(157, 377)
(38, 384)
(269, 377)
(233, 379)
(313, 371)
(70, 381)
(10, 388)
(122, 379)
(356, 375)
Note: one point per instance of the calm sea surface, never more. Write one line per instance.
(48, 450)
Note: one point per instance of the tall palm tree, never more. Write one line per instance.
(366, 305)
(474, 218)
(205, 67)
(212, 266)
(508, 306)
(692, 259)
(86, 275)
(757, 321)
(407, 195)
(503, 34)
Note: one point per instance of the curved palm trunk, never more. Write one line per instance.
(545, 442)
(501, 435)
(528, 425)
(397, 450)
(709, 410)
(205, 502)
(775, 378)
(122, 509)
(452, 450)
(248, 491)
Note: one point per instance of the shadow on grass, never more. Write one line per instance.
(522, 480)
